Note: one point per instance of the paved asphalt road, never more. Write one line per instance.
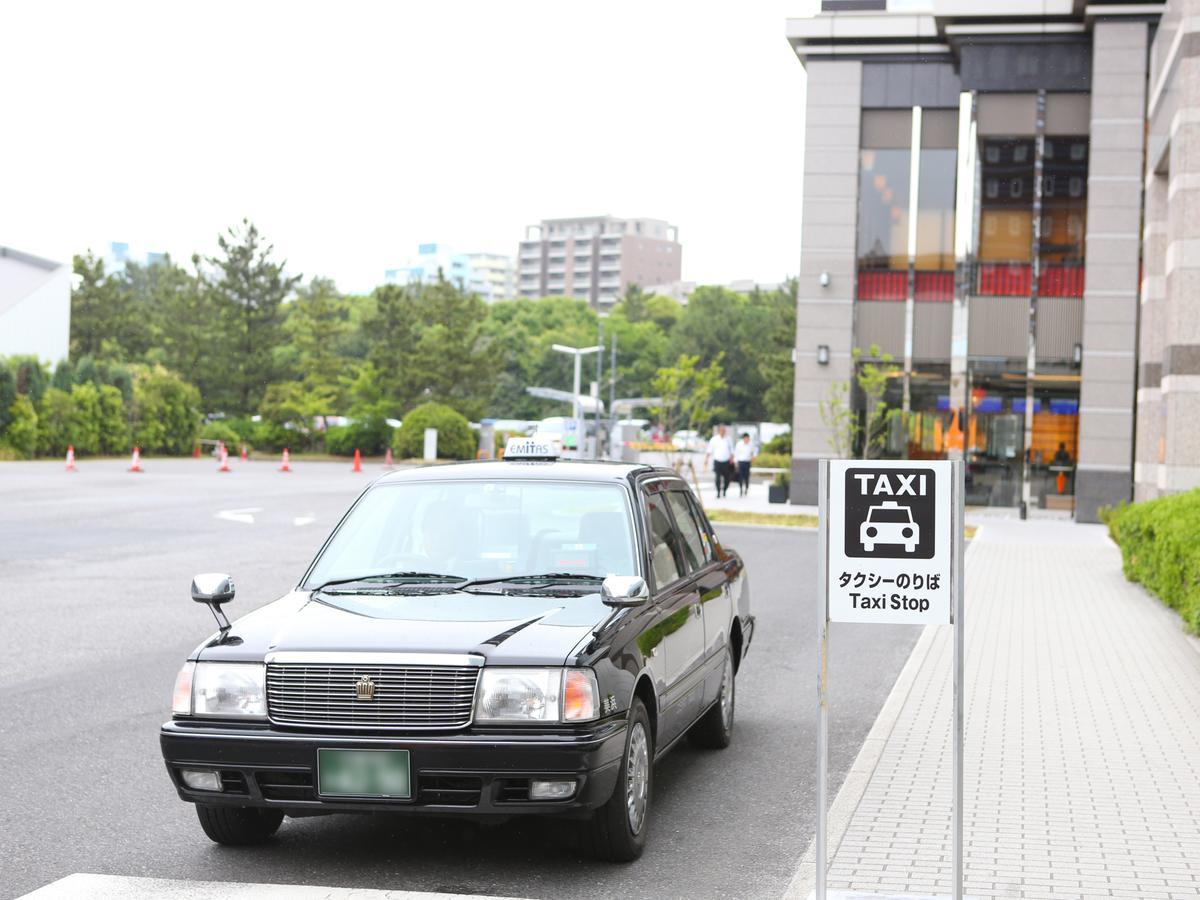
(96, 618)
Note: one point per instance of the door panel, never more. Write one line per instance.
(678, 632)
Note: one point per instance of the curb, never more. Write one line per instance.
(850, 794)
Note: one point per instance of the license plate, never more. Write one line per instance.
(364, 773)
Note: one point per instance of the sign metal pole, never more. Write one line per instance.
(957, 573)
(822, 674)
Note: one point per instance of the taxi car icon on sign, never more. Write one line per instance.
(889, 523)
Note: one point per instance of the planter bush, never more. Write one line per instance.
(371, 435)
(456, 440)
(777, 490)
(1160, 549)
(781, 443)
(773, 461)
(220, 431)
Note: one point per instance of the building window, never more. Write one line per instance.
(1064, 212)
(1006, 216)
(883, 184)
(936, 182)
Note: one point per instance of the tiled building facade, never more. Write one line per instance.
(975, 185)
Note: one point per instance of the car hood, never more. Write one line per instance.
(510, 629)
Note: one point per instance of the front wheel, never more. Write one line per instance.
(714, 731)
(238, 826)
(617, 829)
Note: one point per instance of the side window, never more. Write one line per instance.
(666, 556)
(693, 547)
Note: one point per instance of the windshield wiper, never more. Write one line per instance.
(547, 577)
(396, 578)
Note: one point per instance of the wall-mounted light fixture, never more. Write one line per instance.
(1077, 354)
(824, 279)
(822, 354)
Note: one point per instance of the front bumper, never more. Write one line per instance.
(479, 773)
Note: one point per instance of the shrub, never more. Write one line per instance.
(166, 411)
(456, 440)
(1159, 549)
(113, 425)
(55, 421)
(21, 436)
(781, 443)
(370, 434)
(773, 461)
(220, 431)
(273, 437)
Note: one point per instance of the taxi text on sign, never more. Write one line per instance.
(890, 541)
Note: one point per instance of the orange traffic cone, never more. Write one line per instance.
(388, 463)
(357, 461)
(135, 465)
(71, 458)
(224, 453)
(245, 454)
(286, 467)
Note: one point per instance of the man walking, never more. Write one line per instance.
(742, 454)
(720, 451)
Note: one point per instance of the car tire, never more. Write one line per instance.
(714, 731)
(238, 826)
(617, 830)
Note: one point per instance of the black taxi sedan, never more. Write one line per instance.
(489, 639)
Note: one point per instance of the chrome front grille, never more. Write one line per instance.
(404, 696)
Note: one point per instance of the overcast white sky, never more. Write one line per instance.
(352, 131)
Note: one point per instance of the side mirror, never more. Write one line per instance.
(213, 588)
(624, 591)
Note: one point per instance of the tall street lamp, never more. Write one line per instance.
(578, 353)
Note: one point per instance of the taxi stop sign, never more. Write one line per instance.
(890, 551)
(889, 538)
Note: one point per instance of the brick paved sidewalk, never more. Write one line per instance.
(1082, 774)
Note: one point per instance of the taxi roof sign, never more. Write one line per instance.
(539, 446)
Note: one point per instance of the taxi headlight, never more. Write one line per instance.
(229, 689)
(536, 695)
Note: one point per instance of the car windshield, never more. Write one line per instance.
(482, 530)
(889, 514)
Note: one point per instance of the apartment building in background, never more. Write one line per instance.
(1003, 199)
(120, 253)
(490, 275)
(595, 258)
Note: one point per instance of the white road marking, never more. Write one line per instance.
(304, 520)
(245, 516)
(123, 887)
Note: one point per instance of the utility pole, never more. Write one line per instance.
(599, 376)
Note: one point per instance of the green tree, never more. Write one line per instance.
(429, 345)
(166, 411)
(55, 422)
(101, 317)
(84, 421)
(250, 287)
(187, 314)
(22, 432)
(863, 431)
(317, 323)
(112, 424)
(689, 393)
(775, 363)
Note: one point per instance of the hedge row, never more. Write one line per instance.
(1160, 549)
